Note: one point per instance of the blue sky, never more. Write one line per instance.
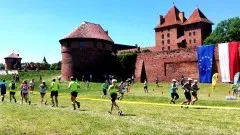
(33, 28)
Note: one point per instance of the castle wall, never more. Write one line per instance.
(167, 65)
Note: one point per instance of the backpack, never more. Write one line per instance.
(13, 86)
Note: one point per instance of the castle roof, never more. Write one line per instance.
(171, 18)
(197, 16)
(89, 30)
(13, 56)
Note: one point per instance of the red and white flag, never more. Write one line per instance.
(228, 60)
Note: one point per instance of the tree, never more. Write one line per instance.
(226, 31)
(56, 66)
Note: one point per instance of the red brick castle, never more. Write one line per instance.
(174, 31)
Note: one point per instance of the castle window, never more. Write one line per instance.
(81, 43)
(162, 36)
(194, 33)
(94, 44)
(190, 41)
(190, 34)
(168, 41)
(163, 42)
(168, 35)
(168, 48)
(163, 48)
(194, 40)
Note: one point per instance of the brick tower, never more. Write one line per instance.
(13, 61)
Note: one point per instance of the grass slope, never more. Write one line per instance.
(140, 118)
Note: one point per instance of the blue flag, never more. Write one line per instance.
(205, 63)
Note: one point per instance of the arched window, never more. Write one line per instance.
(162, 36)
(190, 34)
(194, 40)
(168, 35)
(190, 41)
(168, 41)
(168, 47)
(163, 48)
(163, 42)
(194, 33)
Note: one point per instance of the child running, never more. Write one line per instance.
(73, 85)
(24, 91)
(187, 87)
(194, 92)
(121, 90)
(113, 93)
(105, 88)
(32, 85)
(12, 88)
(43, 87)
(174, 94)
(145, 86)
(54, 92)
(3, 88)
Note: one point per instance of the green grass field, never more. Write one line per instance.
(143, 113)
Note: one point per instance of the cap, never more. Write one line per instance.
(114, 80)
(189, 79)
(195, 80)
(174, 80)
(43, 81)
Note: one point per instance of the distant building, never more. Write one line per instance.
(174, 31)
(85, 51)
(13, 61)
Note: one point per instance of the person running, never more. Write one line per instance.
(88, 84)
(235, 89)
(182, 81)
(187, 88)
(121, 90)
(3, 88)
(145, 86)
(54, 92)
(157, 85)
(105, 88)
(43, 87)
(24, 91)
(32, 85)
(195, 88)
(113, 93)
(73, 85)
(12, 88)
(174, 94)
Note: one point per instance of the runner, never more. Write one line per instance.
(12, 88)
(24, 91)
(105, 88)
(187, 88)
(113, 93)
(145, 86)
(174, 94)
(121, 90)
(235, 89)
(32, 85)
(54, 92)
(182, 81)
(43, 87)
(73, 85)
(194, 92)
(157, 85)
(3, 88)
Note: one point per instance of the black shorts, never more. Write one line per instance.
(145, 87)
(74, 93)
(12, 93)
(3, 91)
(194, 94)
(54, 93)
(113, 97)
(104, 91)
(42, 93)
(187, 95)
(174, 95)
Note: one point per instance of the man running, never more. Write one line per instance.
(113, 93)
(145, 86)
(54, 92)
(121, 90)
(194, 92)
(32, 85)
(174, 94)
(187, 87)
(12, 87)
(73, 85)
(105, 88)
(3, 88)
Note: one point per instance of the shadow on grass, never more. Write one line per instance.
(128, 115)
